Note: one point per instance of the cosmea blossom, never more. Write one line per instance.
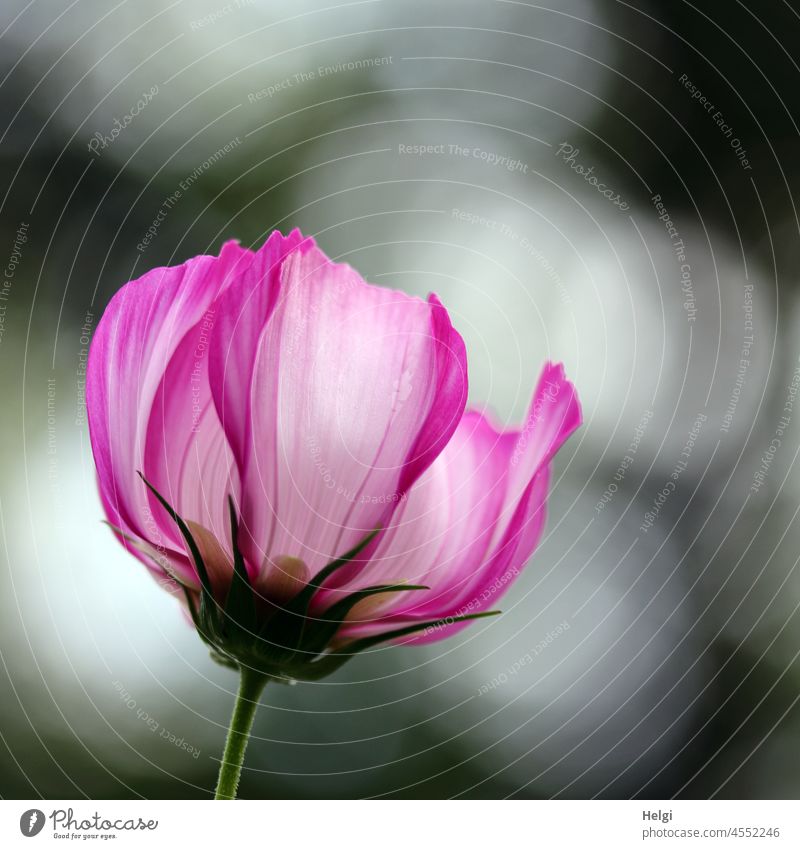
(286, 448)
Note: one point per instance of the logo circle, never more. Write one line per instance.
(31, 822)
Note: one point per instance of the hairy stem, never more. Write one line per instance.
(251, 685)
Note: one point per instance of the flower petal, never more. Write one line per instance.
(240, 321)
(355, 390)
(187, 456)
(474, 519)
(144, 325)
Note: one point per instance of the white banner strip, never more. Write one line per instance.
(403, 824)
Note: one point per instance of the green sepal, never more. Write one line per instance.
(205, 581)
(222, 660)
(210, 620)
(299, 604)
(192, 610)
(332, 661)
(293, 618)
(325, 626)
(198, 618)
(240, 605)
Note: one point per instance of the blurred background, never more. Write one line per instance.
(608, 184)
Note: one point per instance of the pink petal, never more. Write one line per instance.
(143, 327)
(474, 519)
(240, 321)
(187, 456)
(442, 531)
(354, 390)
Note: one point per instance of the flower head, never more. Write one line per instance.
(286, 447)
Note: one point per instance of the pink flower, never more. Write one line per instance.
(286, 447)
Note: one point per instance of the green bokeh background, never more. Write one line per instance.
(678, 674)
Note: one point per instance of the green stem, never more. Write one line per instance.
(251, 685)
